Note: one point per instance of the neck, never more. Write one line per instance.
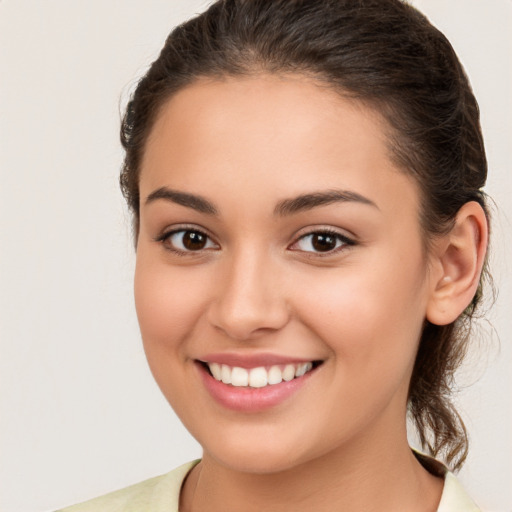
(384, 477)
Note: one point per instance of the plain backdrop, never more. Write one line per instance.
(80, 413)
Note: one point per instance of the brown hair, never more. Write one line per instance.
(381, 52)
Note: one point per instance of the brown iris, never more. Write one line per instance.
(323, 242)
(194, 240)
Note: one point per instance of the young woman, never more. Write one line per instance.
(306, 182)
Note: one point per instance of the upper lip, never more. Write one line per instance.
(253, 360)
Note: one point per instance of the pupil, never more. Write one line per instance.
(193, 240)
(324, 242)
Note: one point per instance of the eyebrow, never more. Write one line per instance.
(193, 201)
(285, 207)
(309, 201)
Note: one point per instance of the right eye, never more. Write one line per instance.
(187, 240)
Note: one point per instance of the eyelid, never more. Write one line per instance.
(347, 241)
(169, 231)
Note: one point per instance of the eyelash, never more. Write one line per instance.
(345, 242)
(165, 237)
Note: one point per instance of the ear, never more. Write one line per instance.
(457, 262)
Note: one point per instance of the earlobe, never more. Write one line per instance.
(459, 255)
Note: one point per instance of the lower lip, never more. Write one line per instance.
(246, 399)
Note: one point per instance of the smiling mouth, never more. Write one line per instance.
(260, 376)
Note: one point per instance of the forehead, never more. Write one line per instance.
(274, 135)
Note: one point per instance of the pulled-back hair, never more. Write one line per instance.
(387, 55)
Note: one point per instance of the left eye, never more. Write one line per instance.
(187, 240)
(321, 242)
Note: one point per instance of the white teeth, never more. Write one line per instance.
(239, 377)
(225, 374)
(288, 372)
(303, 368)
(258, 377)
(216, 371)
(275, 375)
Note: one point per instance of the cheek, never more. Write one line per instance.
(372, 328)
(369, 313)
(168, 303)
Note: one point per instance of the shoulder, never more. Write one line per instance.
(158, 494)
(455, 497)
(161, 494)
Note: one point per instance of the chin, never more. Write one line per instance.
(255, 456)
(257, 462)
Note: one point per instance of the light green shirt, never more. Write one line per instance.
(162, 493)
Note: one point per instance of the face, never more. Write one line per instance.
(276, 238)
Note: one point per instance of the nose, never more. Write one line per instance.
(249, 299)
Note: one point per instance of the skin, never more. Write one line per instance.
(258, 286)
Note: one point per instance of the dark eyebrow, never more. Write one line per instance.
(193, 201)
(322, 198)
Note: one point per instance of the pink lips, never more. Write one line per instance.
(246, 399)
